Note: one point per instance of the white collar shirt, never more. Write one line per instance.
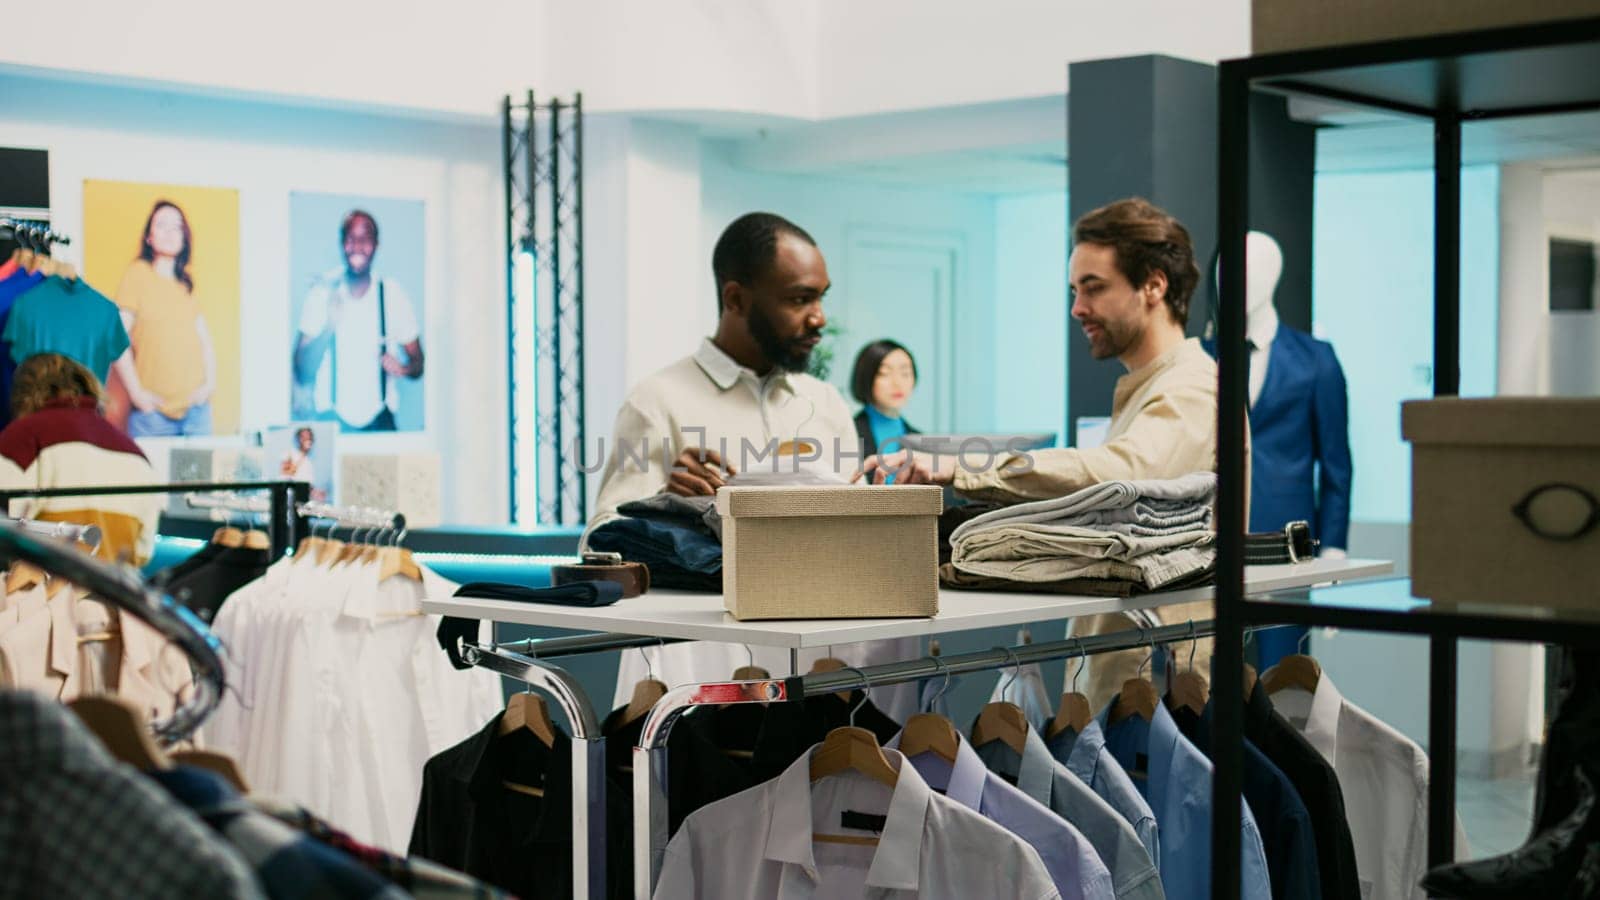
(1261, 337)
(1384, 777)
(757, 845)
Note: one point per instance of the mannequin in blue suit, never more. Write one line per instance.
(1299, 428)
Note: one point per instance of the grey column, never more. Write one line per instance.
(1146, 126)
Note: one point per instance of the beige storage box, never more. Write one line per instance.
(1505, 500)
(1279, 25)
(845, 552)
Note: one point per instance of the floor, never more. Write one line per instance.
(1495, 814)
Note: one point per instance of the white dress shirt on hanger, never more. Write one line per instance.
(1384, 777)
(757, 845)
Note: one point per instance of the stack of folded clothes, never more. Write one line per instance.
(1116, 538)
(679, 539)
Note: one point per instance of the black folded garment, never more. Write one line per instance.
(576, 593)
(455, 629)
(679, 553)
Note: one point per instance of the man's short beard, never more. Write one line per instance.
(1115, 339)
(785, 356)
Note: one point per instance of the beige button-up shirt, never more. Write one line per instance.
(709, 400)
(1163, 425)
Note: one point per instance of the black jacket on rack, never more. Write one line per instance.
(1286, 831)
(468, 819)
(1318, 786)
(203, 581)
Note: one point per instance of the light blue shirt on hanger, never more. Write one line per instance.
(1177, 784)
(1085, 755)
(1071, 860)
(1038, 775)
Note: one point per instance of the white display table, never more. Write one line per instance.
(701, 617)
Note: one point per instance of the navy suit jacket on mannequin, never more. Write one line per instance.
(1300, 441)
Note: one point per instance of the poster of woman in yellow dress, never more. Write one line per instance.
(173, 253)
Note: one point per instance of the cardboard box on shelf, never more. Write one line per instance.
(1505, 500)
(830, 552)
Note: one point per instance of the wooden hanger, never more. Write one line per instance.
(330, 552)
(219, 763)
(646, 694)
(528, 710)
(1189, 691)
(751, 673)
(308, 547)
(1296, 671)
(1001, 722)
(23, 576)
(930, 733)
(1249, 680)
(849, 748)
(122, 728)
(1188, 688)
(831, 664)
(228, 536)
(1073, 713)
(1137, 698)
(398, 561)
(256, 540)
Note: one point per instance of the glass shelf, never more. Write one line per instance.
(1387, 605)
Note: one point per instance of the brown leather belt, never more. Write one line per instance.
(634, 577)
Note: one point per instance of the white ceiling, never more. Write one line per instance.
(1021, 146)
(1377, 144)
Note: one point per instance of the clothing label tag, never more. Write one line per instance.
(758, 691)
(861, 821)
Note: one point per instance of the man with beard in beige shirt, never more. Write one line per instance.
(728, 408)
(1132, 275)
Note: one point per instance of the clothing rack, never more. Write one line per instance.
(63, 531)
(348, 516)
(32, 234)
(588, 746)
(650, 756)
(121, 586)
(282, 527)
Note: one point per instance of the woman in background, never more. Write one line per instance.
(170, 371)
(59, 439)
(884, 377)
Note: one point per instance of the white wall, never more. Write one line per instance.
(834, 212)
(267, 151)
(1031, 306)
(648, 297)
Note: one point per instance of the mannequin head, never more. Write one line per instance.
(1263, 262)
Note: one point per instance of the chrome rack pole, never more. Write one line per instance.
(122, 587)
(650, 756)
(549, 648)
(588, 751)
(66, 531)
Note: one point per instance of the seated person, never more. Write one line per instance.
(59, 438)
(724, 409)
(1132, 274)
(885, 375)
